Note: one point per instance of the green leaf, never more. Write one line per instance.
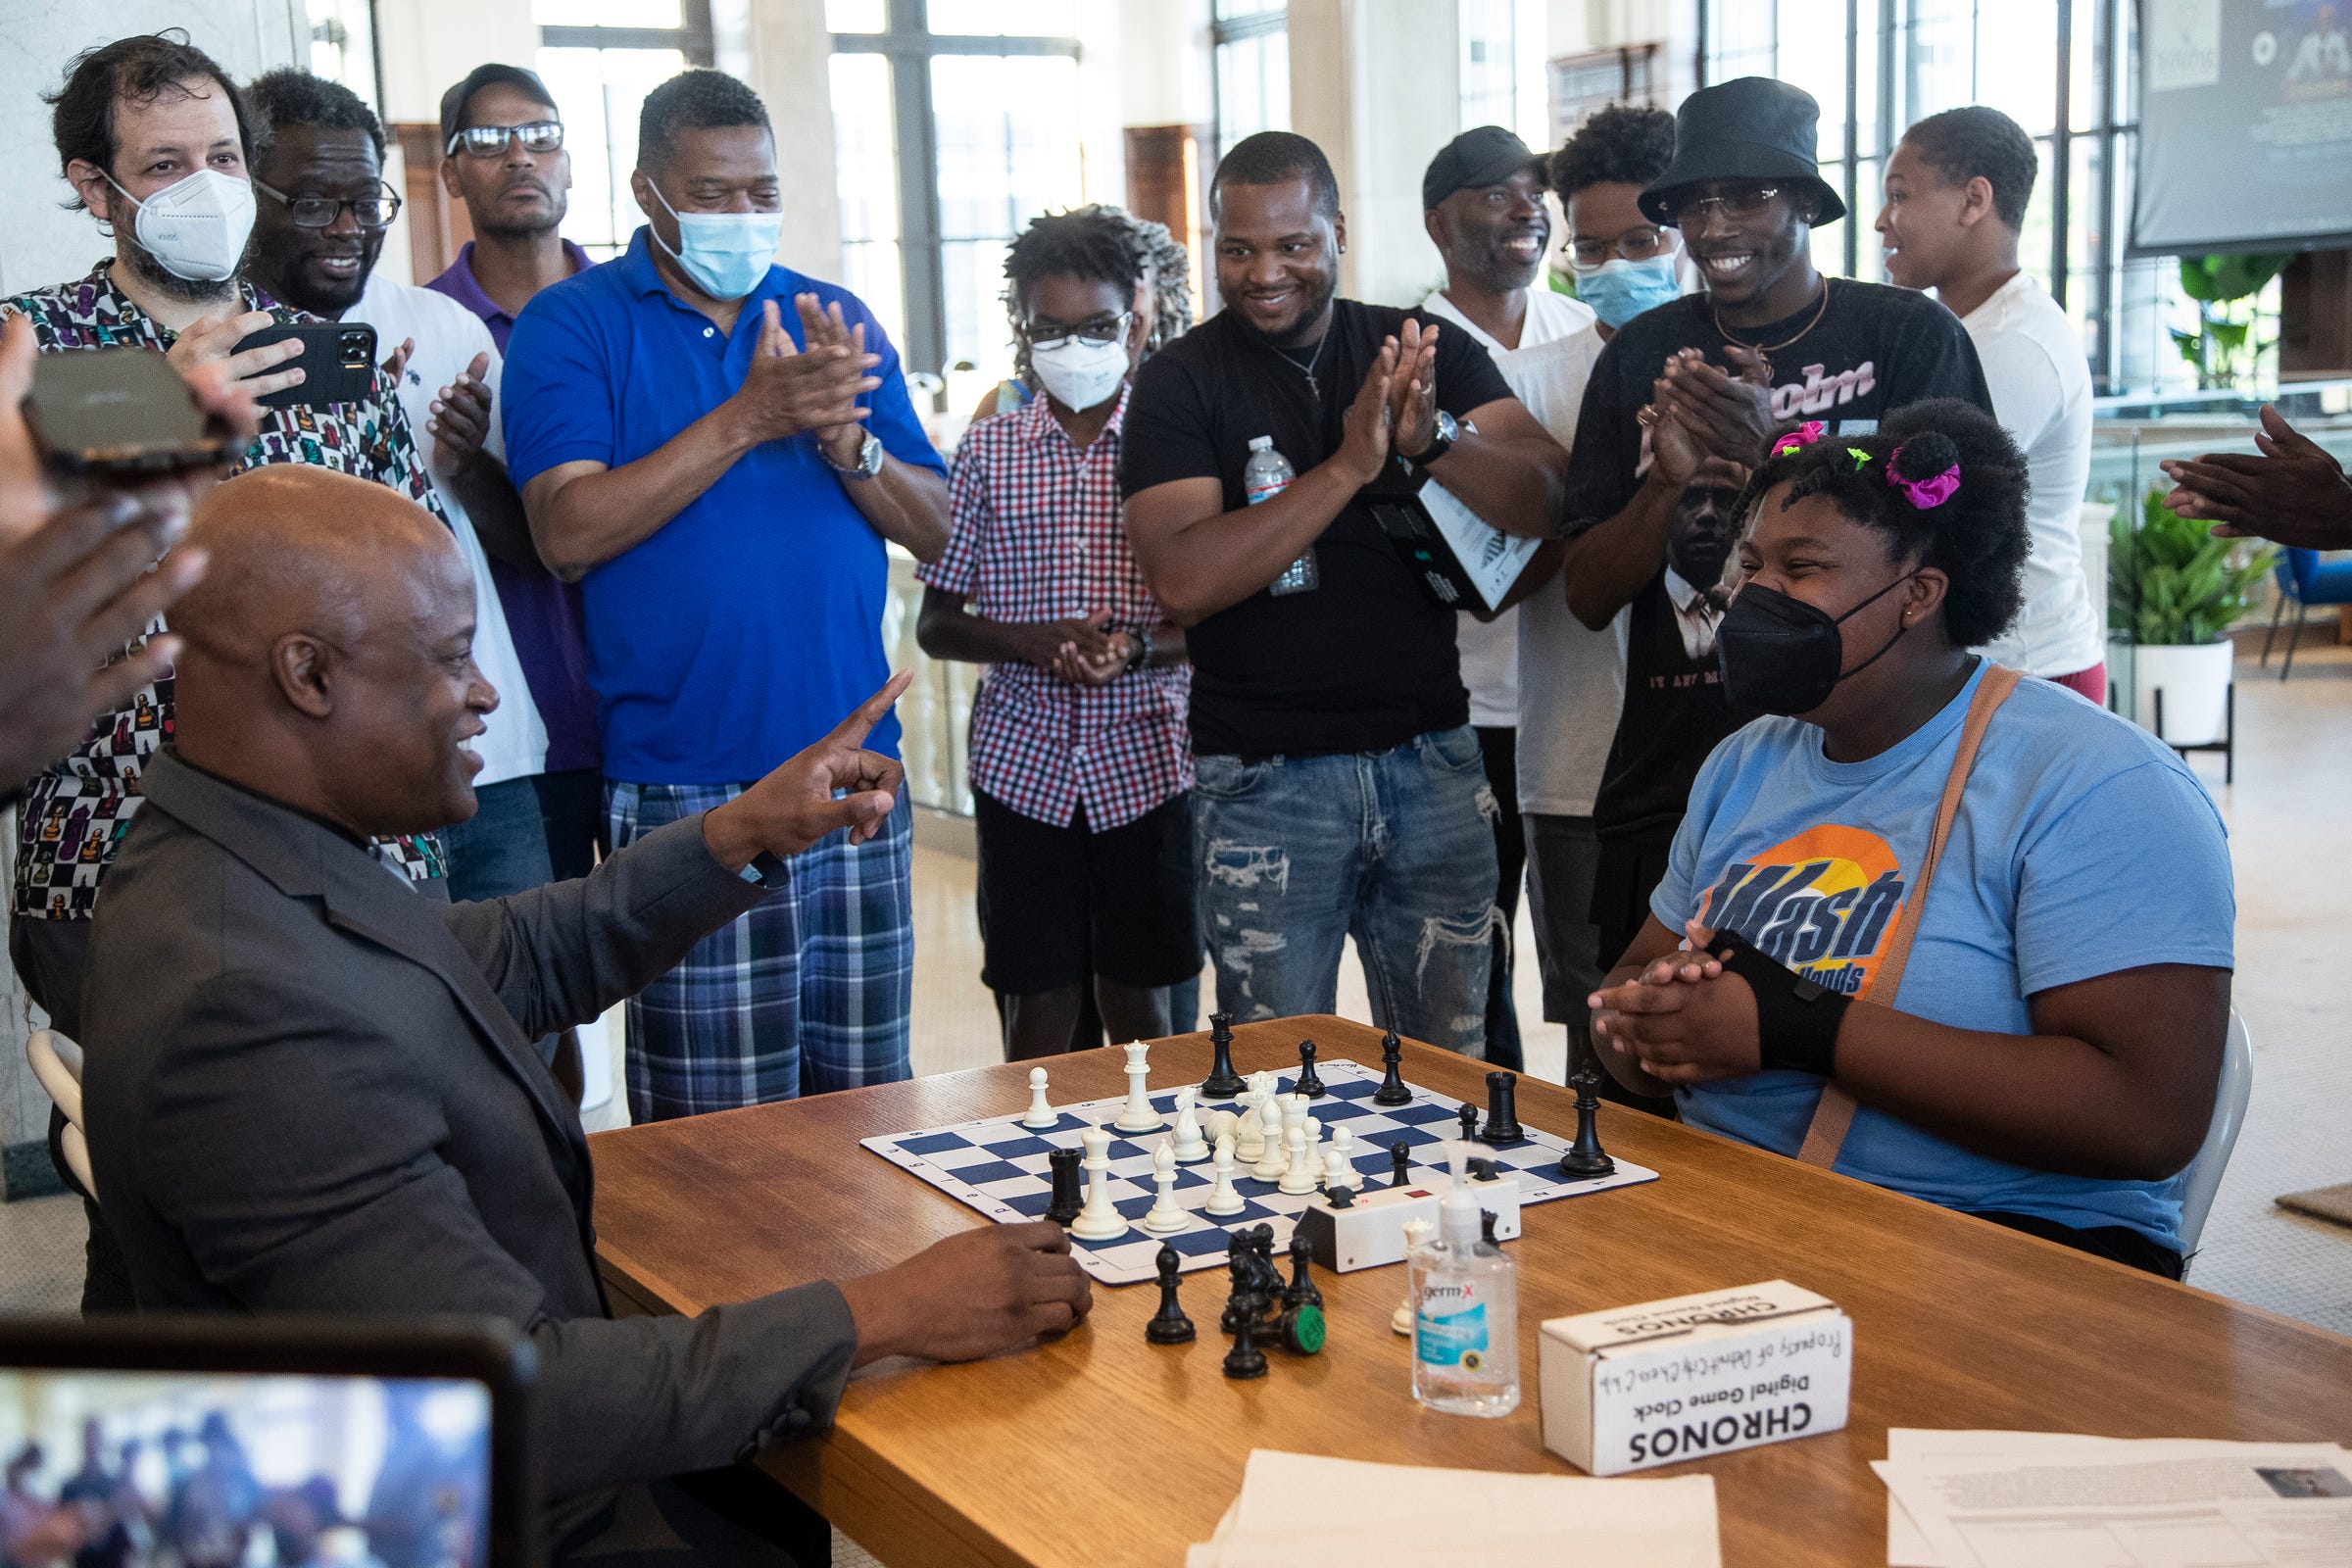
(2172, 582)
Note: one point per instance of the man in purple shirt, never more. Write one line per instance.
(503, 156)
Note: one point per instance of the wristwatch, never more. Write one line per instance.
(1142, 654)
(1447, 432)
(868, 464)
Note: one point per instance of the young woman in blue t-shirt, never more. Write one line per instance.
(2046, 1049)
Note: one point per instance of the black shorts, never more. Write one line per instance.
(1060, 903)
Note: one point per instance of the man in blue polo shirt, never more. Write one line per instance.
(718, 447)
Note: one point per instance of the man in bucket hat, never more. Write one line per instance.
(1768, 343)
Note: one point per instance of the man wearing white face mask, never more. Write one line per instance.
(156, 142)
(717, 449)
(1081, 762)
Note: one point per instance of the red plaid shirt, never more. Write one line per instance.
(1040, 535)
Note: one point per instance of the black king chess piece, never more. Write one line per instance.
(1586, 1158)
(1392, 1089)
(1222, 1082)
(1168, 1325)
(1310, 1086)
(1069, 1198)
(1503, 1111)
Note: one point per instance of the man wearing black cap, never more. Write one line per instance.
(502, 149)
(1482, 202)
(1768, 343)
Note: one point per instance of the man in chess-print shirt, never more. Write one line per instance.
(156, 141)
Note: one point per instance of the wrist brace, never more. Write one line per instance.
(1797, 1019)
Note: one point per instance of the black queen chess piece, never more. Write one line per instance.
(1170, 1325)
(1586, 1158)
(1392, 1089)
(1309, 1086)
(1222, 1082)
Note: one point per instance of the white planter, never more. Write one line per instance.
(2194, 678)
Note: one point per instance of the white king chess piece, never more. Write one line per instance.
(1167, 1216)
(1189, 1145)
(1041, 1114)
(1224, 1198)
(1099, 1221)
(1138, 1116)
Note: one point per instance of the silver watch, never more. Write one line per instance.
(868, 464)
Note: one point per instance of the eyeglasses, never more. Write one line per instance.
(1101, 329)
(492, 142)
(1642, 244)
(1738, 203)
(320, 212)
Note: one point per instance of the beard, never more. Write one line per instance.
(144, 266)
(1309, 318)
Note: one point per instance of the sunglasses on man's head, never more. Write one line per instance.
(491, 141)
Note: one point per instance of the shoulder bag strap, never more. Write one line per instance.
(1836, 1112)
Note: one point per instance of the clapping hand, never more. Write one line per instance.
(830, 329)
(461, 417)
(1364, 442)
(790, 389)
(1078, 668)
(1729, 417)
(2295, 493)
(1413, 390)
(1683, 1018)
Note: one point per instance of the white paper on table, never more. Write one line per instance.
(1906, 1544)
(2175, 1504)
(1299, 1510)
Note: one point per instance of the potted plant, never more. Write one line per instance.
(2226, 345)
(2177, 590)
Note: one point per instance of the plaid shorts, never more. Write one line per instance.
(808, 991)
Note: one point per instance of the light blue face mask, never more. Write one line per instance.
(726, 254)
(1618, 290)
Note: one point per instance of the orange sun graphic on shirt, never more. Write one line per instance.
(1824, 903)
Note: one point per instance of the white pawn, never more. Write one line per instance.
(1138, 1116)
(1337, 1177)
(1167, 1216)
(1416, 1232)
(1041, 1115)
(1189, 1146)
(1342, 1146)
(1313, 1126)
(1298, 1176)
(1294, 1114)
(1271, 1159)
(1224, 1198)
(1099, 1221)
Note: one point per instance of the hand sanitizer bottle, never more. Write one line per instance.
(1465, 1293)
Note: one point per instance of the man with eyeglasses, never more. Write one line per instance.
(720, 449)
(502, 155)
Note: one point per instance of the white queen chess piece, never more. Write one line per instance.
(1167, 1216)
(1224, 1198)
(1189, 1145)
(1041, 1114)
(1138, 1116)
(1098, 1221)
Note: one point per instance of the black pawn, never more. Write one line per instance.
(1469, 1118)
(1168, 1325)
(1309, 1086)
(1586, 1158)
(1401, 1165)
(1301, 1290)
(1503, 1109)
(1222, 1082)
(1392, 1089)
(1068, 1195)
(1485, 1233)
(1244, 1360)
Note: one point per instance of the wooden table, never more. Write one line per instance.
(1100, 1448)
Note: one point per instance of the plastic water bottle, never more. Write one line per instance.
(1268, 474)
(1465, 1294)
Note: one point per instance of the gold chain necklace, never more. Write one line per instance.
(1819, 312)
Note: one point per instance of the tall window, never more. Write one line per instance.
(954, 125)
(1489, 70)
(1252, 61)
(343, 45)
(2062, 68)
(600, 58)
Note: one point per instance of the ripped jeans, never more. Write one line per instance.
(1393, 848)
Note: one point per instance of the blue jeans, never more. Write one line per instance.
(1393, 848)
(502, 848)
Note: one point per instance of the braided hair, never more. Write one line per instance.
(1975, 534)
(1106, 244)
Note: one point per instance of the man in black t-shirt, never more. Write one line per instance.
(1712, 375)
(1339, 787)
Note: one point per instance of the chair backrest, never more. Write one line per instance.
(2294, 569)
(2203, 1176)
(56, 1062)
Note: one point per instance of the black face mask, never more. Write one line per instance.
(1780, 654)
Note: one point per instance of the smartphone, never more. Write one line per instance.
(337, 360)
(119, 411)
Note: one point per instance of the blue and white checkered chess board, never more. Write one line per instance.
(999, 1167)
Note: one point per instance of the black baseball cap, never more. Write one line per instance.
(454, 101)
(1485, 156)
(1751, 128)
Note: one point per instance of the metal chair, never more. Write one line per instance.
(56, 1062)
(2307, 581)
(2202, 1177)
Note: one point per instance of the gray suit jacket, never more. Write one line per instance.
(311, 1089)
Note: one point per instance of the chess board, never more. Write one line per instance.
(999, 1167)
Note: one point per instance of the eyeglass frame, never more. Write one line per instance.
(458, 137)
(1126, 323)
(1698, 205)
(1668, 241)
(341, 205)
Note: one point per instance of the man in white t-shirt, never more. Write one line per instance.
(1955, 198)
(1544, 689)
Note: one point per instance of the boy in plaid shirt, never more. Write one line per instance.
(1081, 766)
